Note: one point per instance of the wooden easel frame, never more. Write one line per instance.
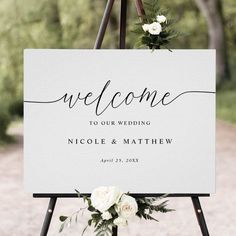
(98, 44)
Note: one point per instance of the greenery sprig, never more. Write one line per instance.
(156, 27)
(114, 209)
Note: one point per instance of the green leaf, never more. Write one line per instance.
(91, 208)
(112, 210)
(61, 227)
(149, 217)
(63, 218)
(90, 222)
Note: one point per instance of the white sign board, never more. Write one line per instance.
(140, 120)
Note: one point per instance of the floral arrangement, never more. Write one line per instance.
(155, 30)
(110, 208)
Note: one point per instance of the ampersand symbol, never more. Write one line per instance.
(113, 141)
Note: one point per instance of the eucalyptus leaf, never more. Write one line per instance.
(61, 227)
(63, 218)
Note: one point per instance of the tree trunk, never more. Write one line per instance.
(212, 11)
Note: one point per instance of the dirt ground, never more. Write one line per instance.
(22, 215)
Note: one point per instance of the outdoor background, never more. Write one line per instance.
(74, 24)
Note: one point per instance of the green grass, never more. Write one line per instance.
(226, 105)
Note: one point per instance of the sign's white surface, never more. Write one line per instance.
(143, 121)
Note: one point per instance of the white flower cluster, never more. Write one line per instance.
(155, 28)
(103, 198)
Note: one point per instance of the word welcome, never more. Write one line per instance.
(118, 99)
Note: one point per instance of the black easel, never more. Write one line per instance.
(98, 44)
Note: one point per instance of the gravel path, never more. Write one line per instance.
(22, 215)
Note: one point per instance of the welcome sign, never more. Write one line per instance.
(140, 120)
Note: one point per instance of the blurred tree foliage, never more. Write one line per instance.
(74, 24)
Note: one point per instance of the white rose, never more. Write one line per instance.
(103, 198)
(127, 207)
(120, 221)
(161, 19)
(155, 28)
(106, 215)
(145, 27)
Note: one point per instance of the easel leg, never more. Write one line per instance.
(114, 231)
(140, 8)
(48, 216)
(123, 16)
(200, 216)
(103, 25)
